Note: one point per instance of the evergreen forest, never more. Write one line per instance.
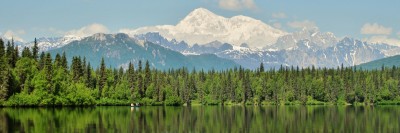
(33, 78)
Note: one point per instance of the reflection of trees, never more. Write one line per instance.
(202, 119)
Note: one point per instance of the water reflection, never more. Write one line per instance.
(202, 119)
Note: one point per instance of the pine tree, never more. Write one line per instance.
(261, 67)
(26, 53)
(131, 78)
(35, 50)
(147, 76)
(140, 80)
(15, 56)
(83, 68)
(64, 63)
(2, 48)
(120, 73)
(48, 67)
(103, 76)
(10, 54)
(3, 73)
(57, 60)
(89, 76)
(41, 61)
(76, 68)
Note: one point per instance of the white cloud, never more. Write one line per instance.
(277, 25)
(9, 34)
(382, 39)
(88, 30)
(279, 15)
(302, 24)
(237, 4)
(375, 29)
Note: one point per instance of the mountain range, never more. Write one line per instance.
(118, 50)
(205, 40)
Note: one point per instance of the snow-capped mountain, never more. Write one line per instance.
(202, 26)
(46, 44)
(241, 39)
(310, 48)
(317, 39)
(119, 50)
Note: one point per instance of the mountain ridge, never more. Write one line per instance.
(120, 49)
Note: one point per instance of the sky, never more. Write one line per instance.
(368, 20)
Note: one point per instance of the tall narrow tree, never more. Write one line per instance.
(103, 76)
(35, 50)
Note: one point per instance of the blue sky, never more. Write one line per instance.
(369, 20)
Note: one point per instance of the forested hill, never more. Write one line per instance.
(377, 64)
(33, 79)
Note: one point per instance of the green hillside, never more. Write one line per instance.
(377, 64)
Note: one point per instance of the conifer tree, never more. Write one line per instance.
(89, 82)
(147, 76)
(57, 60)
(48, 67)
(64, 63)
(26, 53)
(41, 61)
(131, 78)
(103, 76)
(140, 80)
(3, 72)
(35, 50)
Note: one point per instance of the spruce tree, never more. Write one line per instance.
(15, 56)
(41, 61)
(48, 67)
(88, 76)
(147, 76)
(2, 48)
(26, 53)
(57, 60)
(3, 72)
(35, 50)
(103, 76)
(140, 80)
(64, 63)
(131, 78)
(10, 53)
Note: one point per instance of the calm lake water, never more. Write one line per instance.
(202, 119)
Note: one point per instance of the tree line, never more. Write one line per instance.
(33, 78)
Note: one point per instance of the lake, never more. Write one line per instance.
(203, 119)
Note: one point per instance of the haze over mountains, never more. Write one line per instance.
(226, 42)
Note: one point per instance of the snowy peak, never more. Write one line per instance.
(199, 14)
(317, 39)
(201, 26)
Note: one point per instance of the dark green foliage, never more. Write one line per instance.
(45, 82)
(77, 69)
(3, 68)
(147, 76)
(48, 67)
(64, 63)
(41, 61)
(102, 77)
(26, 53)
(35, 50)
